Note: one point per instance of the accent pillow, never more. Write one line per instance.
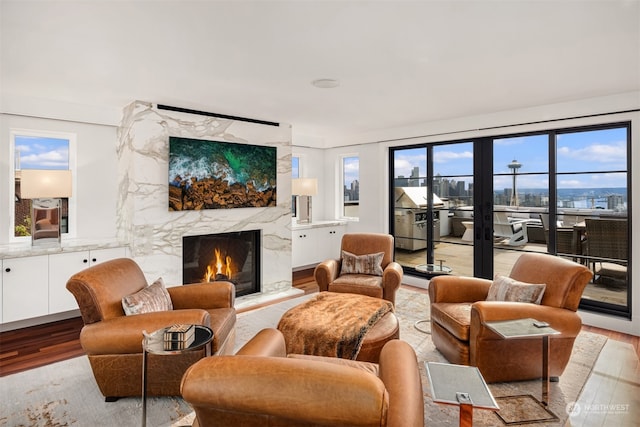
(508, 289)
(362, 264)
(152, 298)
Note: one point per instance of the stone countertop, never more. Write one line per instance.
(25, 249)
(317, 224)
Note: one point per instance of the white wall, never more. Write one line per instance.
(374, 175)
(96, 187)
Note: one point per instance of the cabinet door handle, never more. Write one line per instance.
(94, 259)
(85, 260)
(7, 269)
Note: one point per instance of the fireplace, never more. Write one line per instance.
(233, 257)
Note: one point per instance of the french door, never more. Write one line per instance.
(470, 208)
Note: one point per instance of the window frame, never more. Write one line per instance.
(72, 208)
(294, 198)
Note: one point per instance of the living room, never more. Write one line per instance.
(99, 71)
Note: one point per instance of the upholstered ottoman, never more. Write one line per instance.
(344, 325)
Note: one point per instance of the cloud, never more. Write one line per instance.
(615, 152)
(55, 159)
(447, 156)
(403, 167)
(23, 148)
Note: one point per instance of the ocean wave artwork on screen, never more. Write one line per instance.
(220, 175)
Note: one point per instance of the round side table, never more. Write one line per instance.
(154, 343)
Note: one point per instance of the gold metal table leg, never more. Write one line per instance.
(545, 370)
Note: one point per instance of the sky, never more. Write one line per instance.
(588, 152)
(351, 170)
(41, 153)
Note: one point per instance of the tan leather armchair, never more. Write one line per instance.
(262, 386)
(459, 313)
(327, 274)
(113, 341)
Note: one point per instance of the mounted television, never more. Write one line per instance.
(207, 174)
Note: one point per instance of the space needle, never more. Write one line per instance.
(514, 166)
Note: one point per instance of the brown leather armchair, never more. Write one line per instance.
(262, 386)
(328, 273)
(459, 313)
(113, 341)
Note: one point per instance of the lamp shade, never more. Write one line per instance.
(304, 186)
(42, 184)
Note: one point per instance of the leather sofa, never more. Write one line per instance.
(263, 386)
(459, 314)
(113, 341)
(328, 273)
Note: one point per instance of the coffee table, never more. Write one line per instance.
(154, 343)
(525, 328)
(460, 385)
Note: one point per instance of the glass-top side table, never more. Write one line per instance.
(434, 269)
(526, 328)
(154, 343)
(460, 385)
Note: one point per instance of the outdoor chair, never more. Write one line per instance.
(513, 230)
(607, 246)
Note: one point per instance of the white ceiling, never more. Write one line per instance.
(399, 63)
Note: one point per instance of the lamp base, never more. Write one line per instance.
(46, 216)
(304, 211)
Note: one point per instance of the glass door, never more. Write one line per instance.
(433, 208)
(520, 198)
(471, 208)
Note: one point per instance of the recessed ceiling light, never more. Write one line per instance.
(326, 83)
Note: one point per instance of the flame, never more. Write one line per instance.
(218, 267)
(218, 261)
(210, 273)
(227, 271)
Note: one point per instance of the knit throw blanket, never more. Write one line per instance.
(331, 324)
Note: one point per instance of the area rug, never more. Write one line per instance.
(65, 393)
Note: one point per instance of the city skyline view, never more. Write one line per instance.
(590, 159)
(579, 155)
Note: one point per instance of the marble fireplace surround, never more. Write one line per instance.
(154, 234)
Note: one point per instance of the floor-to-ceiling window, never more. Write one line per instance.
(472, 207)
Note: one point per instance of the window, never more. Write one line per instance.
(295, 173)
(350, 187)
(38, 150)
(564, 191)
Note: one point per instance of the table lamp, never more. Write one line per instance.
(45, 188)
(304, 188)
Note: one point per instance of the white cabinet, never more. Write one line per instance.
(25, 287)
(64, 265)
(311, 244)
(36, 285)
(303, 247)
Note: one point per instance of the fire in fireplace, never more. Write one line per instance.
(233, 257)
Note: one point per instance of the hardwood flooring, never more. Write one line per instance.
(40, 345)
(36, 346)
